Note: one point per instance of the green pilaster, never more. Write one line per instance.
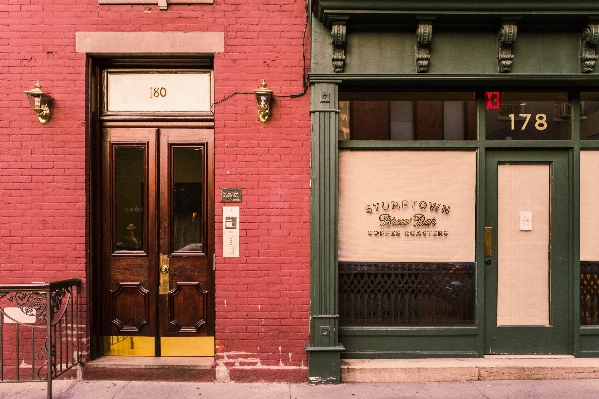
(324, 348)
(574, 282)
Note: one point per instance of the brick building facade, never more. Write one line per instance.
(51, 212)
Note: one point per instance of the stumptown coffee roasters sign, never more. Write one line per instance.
(407, 206)
(391, 214)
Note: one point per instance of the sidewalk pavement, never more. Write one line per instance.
(82, 389)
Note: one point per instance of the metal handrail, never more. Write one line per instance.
(52, 307)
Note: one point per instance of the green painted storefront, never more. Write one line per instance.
(389, 64)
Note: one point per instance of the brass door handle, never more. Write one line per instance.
(164, 269)
(488, 241)
(164, 264)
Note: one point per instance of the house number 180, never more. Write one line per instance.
(540, 124)
(159, 92)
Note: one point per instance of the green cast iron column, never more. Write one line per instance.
(324, 348)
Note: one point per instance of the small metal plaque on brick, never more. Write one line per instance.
(230, 195)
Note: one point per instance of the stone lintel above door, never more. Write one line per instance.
(196, 43)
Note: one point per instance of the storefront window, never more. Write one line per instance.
(527, 116)
(589, 251)
(407, 238)
(589, 116)
(407, 116)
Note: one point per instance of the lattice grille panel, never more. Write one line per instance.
(589, 293)
(406, 294)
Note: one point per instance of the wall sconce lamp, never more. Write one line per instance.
(38, 101)
(263, 97)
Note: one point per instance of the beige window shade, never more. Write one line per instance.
(522, 253)
(589, 211)
(407, 206)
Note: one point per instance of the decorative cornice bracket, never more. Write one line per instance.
(588, 41)
(424, 36)
(339, 34)
(507, 37)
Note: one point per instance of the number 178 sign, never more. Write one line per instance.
(519, 118)
(540, 122)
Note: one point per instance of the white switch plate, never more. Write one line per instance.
(525, 220)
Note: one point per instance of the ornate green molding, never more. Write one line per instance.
(506, 38)
(406, 13)
(339, 35)
(424, 35)
(588, 41)
(415, 81)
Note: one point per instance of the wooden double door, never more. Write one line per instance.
(157, 237)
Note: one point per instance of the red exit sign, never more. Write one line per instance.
(492, 100)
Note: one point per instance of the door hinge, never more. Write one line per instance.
(213, 261)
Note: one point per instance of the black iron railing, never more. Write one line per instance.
(589, 293)
(406, 294)
(39, 331)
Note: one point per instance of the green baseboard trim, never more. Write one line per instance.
(310, 348)
(409, 355)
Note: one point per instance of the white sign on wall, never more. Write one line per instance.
(15, 315)
(158, 92)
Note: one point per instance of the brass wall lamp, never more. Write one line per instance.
(263, 98)
(39, 102)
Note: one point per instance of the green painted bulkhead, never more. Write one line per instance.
(378, 53)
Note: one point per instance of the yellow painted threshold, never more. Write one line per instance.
(128, 346)
(170, 346)
(187, 346)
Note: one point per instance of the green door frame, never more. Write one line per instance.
(555, 338)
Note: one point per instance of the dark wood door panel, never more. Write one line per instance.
(127, 269)
(130, 307)
(187, 308)
(157, 223)
(128, 293)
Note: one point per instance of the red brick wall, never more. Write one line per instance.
(262, 297)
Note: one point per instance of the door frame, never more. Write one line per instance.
(96, 121)
(556, 339)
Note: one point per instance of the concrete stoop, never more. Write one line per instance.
(355, 370)
(123, 368)
(471, 369)
(184, 369)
